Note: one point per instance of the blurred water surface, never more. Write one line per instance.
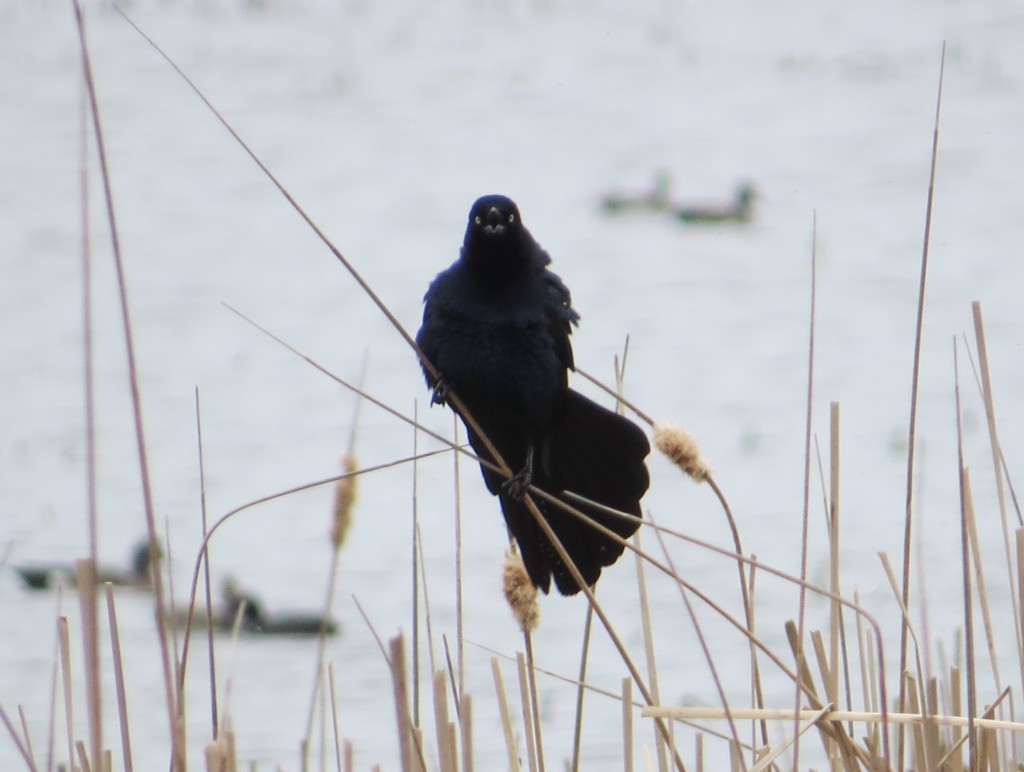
(385, 122)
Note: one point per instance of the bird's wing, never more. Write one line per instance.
(561, 315)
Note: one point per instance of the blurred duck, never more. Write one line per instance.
(741, 209)
(254, 619)
(656, 199)
(43, 576)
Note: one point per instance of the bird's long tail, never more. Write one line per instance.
(597, 454)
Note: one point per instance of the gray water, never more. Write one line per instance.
(385, 123)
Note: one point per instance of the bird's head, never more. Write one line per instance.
(493, 220)
(497, 245)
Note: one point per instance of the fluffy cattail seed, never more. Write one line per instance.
(520, 593)
(220, 754)
(681, 450)
(344, 498)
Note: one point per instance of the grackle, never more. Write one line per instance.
(496, 327)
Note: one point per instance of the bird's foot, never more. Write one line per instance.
(516, 485)
(441, 391)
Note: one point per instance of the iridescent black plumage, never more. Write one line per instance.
(496, 326)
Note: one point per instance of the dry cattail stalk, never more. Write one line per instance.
(344, 498)
(520, 593)
(681, 449)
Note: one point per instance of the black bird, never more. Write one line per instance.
(496, 327)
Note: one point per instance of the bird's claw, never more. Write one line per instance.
(516, 485)
(441, 392)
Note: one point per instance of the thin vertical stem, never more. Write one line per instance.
(122, 700)
(415, 570)
(915, 379)
(214, 717)
(460, 641)
(836, 609)
(807, 475)
(965, 557)
(178, 755)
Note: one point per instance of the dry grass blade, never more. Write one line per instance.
(344, 500)
(534, 701)
(87, 584)
(908, 523)
(122, 700)
(835, 610)
(652, 667)
(506, 720)
(207, 585)
(25, 733)
(442, 725)
(414, 541)
(23, 746)
(953, 756)
(466, 722)
(766, 761)
(829, 731)
(690, 713)
(529, 718)
(410, 741)
(965, 553)
(459, 618)
(406, 745)
(627, 725)
(705, 649)
(83, 757)
(808, 435)
(979, 577)
(997, 468)
(335, 720)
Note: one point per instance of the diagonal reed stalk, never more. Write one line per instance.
(23, 744)
(704, 648)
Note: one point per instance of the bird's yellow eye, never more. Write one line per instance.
(478, 219)
(511, 217)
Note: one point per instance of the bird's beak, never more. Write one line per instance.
(494, 222)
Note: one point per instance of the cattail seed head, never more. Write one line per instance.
(344, 498)
(681, 449)
(520, 593)
(220, 754)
